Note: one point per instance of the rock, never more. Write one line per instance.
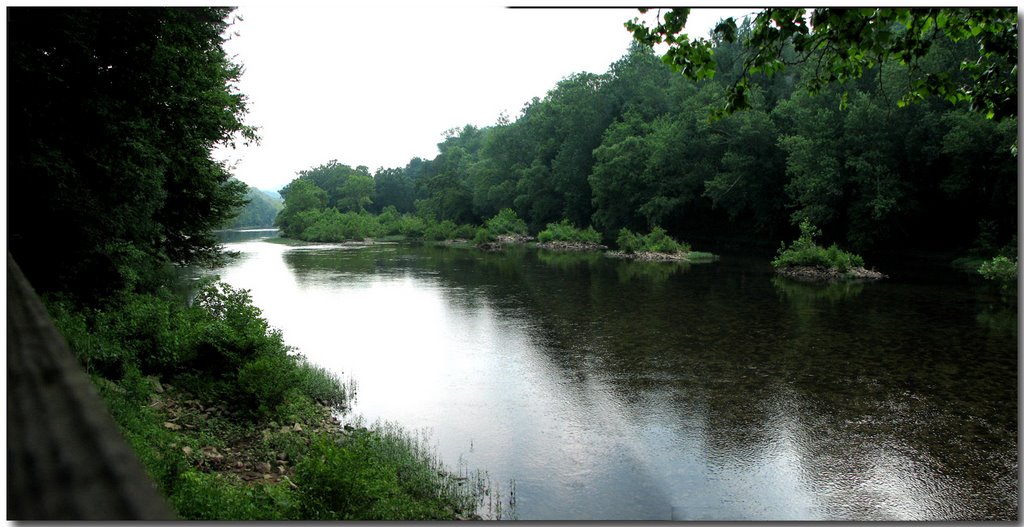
(187, 450)
(263, 467)
(171, 426)
(155, 384)
(806, 273)
(285, 429)
(282, 456)
(571, 246)
(281, 469)
(297, 427)
(211, 453)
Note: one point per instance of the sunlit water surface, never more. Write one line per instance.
(608, 389)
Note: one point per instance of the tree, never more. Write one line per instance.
(355, 194)
(393, 187)
(113, 113)
(847, 43)
(301, 196)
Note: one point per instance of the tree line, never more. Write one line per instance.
(639, 147)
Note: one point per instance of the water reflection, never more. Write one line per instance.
(706, 392)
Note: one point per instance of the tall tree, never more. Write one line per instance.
(846, 43)
(113, 113)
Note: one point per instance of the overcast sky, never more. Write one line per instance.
(377, 86)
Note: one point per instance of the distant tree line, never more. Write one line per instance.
(635, 148)
(259, 210)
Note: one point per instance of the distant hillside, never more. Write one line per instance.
(259, 212)
(272, 193)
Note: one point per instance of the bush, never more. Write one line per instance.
(506, 222)
(805, 252)
(265, 380)
(440, 231)
(374, 476)
(202, 496)
(483, 235)
(564, 231)
(656, 241)
(1002, 271)
(334, 226)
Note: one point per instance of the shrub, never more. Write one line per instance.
(440, 231)
(655, 241)
(1002, 271)
(804, 251)
(265, 380)
(483, 235)
(564, 231)
(334, 226)
(412, 226)
(506, 222)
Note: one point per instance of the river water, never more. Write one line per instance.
(609, 389)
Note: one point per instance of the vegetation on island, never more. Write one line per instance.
(117, 110)
(565, 232)
(805, 258)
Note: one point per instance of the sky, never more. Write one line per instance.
(379, 85)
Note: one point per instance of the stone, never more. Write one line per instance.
(155, 384)
(187, 450)
(171, 426)
(297, 427)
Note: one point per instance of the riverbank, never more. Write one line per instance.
(231, 424)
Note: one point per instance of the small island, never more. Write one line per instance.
(807, 261)
(655, 246)
(564, 236)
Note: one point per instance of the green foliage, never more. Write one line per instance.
(374, 476)
(804, 251)
(564, 231)
(845, 44)
(1001, 270)
(506, 222)
(117, 110)
(329, 225)
(319, 384)
(129, 404)
(220, 344)
(483, 235)
(655, 241)
(203, 496)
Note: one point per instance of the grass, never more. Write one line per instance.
(233, 425)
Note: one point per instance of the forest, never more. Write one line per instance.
(641, 147)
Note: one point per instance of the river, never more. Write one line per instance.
(609, 389)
